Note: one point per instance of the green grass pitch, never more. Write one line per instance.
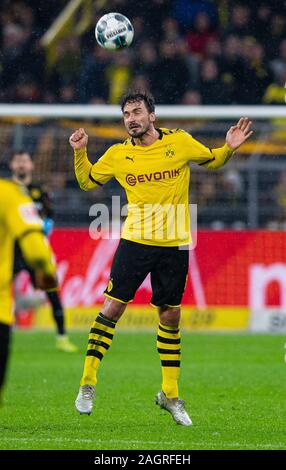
(234, 386)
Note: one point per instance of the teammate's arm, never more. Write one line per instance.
(89, 176)
(25, 226)
(40, 258)
(217, 157)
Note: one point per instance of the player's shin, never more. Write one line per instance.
(168, 347)
(99, 341)
(58, 312)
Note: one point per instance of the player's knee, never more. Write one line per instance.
(113, 309)
(170, 316)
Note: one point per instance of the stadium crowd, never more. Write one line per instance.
(185, 52)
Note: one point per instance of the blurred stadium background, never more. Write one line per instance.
(203, 60)
(207, 58)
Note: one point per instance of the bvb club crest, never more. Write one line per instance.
(110, 285)
(169, 152)
(35, 193)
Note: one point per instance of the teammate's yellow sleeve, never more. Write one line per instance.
(206, 157)
(37, 252)
(91, 176)
(25, 226)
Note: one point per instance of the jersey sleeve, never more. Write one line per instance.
(205, 156)
(23, 224)
(21, 215)
(91, 176)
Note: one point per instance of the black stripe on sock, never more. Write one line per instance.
(168, 351)
(168, 331)
(109, 319)
(99, 343)
(101, 333)
(170, 363)
(95, 353)
(168, 340)
(105, 321)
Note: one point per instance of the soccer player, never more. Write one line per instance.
(152, 166)
(19, 221)
(22, 167)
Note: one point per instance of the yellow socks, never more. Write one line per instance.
(168, 347)
(99, 341)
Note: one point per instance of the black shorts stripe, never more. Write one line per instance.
(168, 351)
(170, 363)
(168, 331)
(104, 321)
(168, 340)
(94, 181)
(101, 333)
(95, 353)
(99, 343)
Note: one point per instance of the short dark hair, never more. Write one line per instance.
(134, 96)
(21, 152)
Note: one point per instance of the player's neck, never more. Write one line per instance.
(148, 138)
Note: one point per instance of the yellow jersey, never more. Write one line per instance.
(156, 180)
(19, 220)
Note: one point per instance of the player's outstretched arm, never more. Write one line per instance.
(235, 137)
(78, 141)
(239, 133)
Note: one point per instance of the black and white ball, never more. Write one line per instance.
(114, 31)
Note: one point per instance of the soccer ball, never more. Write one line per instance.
(114, 31)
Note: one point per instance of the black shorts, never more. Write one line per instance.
(133, 261)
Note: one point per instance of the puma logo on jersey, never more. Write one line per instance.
(130, 158)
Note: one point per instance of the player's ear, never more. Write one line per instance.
(152, 117)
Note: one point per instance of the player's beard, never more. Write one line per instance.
(137, 134)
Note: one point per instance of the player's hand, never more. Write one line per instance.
(239, 133)
(45, 281)
(78, 139)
